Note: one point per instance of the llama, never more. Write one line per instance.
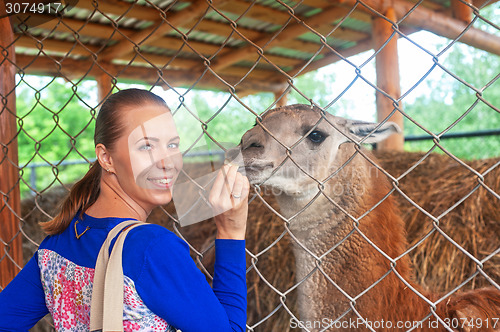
(349, 238)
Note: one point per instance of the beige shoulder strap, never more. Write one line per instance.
(106, 310)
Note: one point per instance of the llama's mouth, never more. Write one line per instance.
(256, 172)
(258, 168)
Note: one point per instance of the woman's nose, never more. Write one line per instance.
(165, 162)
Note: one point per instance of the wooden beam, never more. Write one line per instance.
(356, 14)
(157, 30)
(84, 28)
(139, 12)
(428, 4)
(178, 78)
(10, 200)
(449, 28)
(292, 31)
(55, 46)
(257, 11)
(178, 63)
(317, 3)
(342, 33)
(437, 23)
(481, 3)
(387, 68)
(224, 30)
(331, 57)
(461, 11)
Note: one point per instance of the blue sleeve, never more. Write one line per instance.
(22, 302)
(173, 287)
(229, 283)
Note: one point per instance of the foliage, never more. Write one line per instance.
(450, 99)
(55, 124)
(473, 75)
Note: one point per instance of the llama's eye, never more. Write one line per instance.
(316, 137)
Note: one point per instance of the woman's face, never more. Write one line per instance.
(147, 159)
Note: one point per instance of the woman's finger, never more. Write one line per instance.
(246, 187)
(223, 184)
(229, 180)
(218, 184)
(237, 191)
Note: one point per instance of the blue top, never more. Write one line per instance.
(163, 287)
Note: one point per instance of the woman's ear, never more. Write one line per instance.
(104, 158)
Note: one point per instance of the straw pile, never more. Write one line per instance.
(435, 185)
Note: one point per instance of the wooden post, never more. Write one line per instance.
(461, 11)
(10, 201)
(284, 98)
(104, 83)
(387, 68)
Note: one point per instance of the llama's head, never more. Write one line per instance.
(298, 144)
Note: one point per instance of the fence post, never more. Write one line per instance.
(104, 83)
(281, 97)
(461, 11)
(387, 68)
(10, 200)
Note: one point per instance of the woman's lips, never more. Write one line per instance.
(163, 183)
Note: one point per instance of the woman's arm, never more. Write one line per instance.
(229, 283)
(172, 286)
(22, 302)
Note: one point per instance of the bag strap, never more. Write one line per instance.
(106, 310)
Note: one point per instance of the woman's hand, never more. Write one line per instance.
(229, 200)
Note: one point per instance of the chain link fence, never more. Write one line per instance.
(68, 56)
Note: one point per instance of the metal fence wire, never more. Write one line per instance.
(242, 47)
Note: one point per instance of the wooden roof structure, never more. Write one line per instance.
(249, 45)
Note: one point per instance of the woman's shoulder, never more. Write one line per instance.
(147, 234)
(150, 242)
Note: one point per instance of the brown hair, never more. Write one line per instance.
(108, 129)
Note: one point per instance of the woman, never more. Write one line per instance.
(138, 160)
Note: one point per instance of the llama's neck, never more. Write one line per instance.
(354, 265)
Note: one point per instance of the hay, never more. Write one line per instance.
(436, 184)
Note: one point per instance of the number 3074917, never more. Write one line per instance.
(15, 8)
(477, 323)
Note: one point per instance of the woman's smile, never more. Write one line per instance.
(162, 182)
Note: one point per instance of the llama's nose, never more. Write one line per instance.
(251, 142)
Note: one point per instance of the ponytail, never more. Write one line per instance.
(83, 194)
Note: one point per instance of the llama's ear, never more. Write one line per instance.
(361, 130)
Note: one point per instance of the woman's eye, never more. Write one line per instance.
(145, 147)
(316, 137)
(173, 146)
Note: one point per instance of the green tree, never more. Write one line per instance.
(55, 123)
(469, 97)
(460, 104)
